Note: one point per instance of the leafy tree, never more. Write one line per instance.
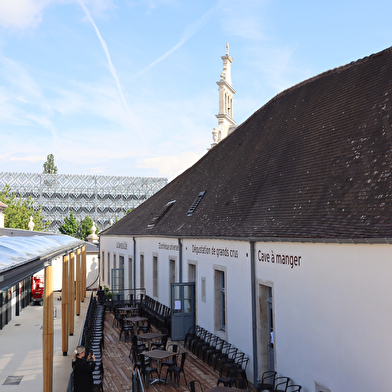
(87, 224)
(70, 226)
(17, 215)
(49, 166)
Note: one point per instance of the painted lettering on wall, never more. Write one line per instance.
(164, 246)
(218, 252)
(121, 245)
(289, 260)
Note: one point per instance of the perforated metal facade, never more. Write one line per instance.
(102, 198)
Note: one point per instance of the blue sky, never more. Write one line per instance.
(129, 87)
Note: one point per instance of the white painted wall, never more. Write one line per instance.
(331, 312)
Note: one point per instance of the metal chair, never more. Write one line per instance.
(177, 370)
(227, 375)
(281, 384)
(192, 386)
(267, 381)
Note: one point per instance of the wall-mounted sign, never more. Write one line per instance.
(214, 251)
(290, 260)
(122, 245)
(164, 246)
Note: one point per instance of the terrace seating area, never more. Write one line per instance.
(121, 361)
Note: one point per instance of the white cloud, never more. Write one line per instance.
(29, 158)
(170, 165)
(22, 13)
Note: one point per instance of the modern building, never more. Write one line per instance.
(103, 198)
(285, 227)
(226, 123)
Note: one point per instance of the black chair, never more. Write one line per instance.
(189, 336)
(146, 327)
(177, 370)
(281, 384)
(125, 329)
(267, 381)
(135, 343)
(213, 352)
(146, 370)
(162, 343)
(242, 367)
(173, 361)
(192, 386)
(219, 356)
(242, 383)
(294, 388)
(227, 375)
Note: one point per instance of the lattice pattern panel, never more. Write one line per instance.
(102, 198)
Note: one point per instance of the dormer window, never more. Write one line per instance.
(195, 203)
(160, 215)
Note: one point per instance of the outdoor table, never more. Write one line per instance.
(224, 389)
(128, 309)
(149, 336)
(159, 356)
(135, 320)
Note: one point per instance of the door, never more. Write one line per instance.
(118, 285)
(183, 309)
(265, 344)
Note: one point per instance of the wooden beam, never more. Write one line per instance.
(84, 272)
(47, 331)
(64, 306)
(71, 295)
(78, 281)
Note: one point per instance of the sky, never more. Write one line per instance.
(128, 88)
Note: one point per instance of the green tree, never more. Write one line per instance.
(70, 226)
(87, 224)
(49, 166)
(17, 215)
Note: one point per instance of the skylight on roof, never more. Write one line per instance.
(160, 215)
(195, 203)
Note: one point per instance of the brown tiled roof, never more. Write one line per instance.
(314, 162)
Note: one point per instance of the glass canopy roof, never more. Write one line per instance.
(17, 250)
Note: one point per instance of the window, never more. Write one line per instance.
(142, 271)
(203, 289)
(155, 276)
(114, 261)
(172, 272)
(108, 281)
(194, 205)
(191, 273)
(121, 260)
(160, 214)
(130, 272)
(103, 265)
(220, 301)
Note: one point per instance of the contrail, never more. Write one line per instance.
(190, 31)
(106, 50)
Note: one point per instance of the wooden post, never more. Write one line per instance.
(71, 294)
(47, 331)
(78, 281)
(64, 306)
(84, 272)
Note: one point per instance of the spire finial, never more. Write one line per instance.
(227, 48)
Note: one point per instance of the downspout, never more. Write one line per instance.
(254, 319)
(134, 268)
(180, 258)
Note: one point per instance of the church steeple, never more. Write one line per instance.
(226, 123)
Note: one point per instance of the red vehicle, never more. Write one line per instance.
(38, 291)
